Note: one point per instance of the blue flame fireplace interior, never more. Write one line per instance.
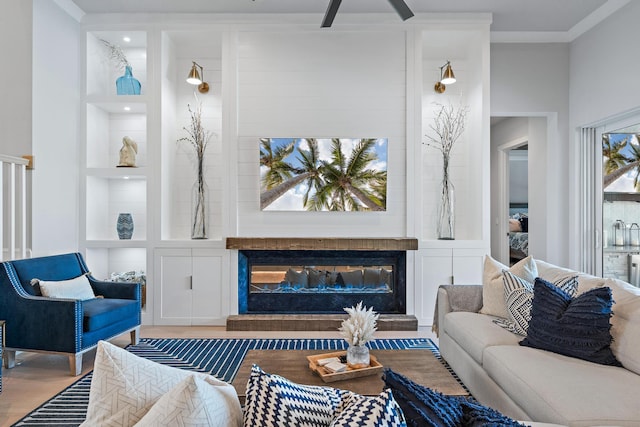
(321, 281)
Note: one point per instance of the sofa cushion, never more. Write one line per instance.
(625, 324)
(577, 327)
(103, 312)
(553, 273)
(125, 387)
(474, 332)
(564, 390)
(493, 301)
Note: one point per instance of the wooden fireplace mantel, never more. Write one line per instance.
(322, 243)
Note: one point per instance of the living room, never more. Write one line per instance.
(371, 75)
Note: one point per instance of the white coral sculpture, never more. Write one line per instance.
(360, 326)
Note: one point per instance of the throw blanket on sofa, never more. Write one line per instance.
(461, 298)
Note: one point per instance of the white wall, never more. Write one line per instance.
(532, 80)
(607, 50)
(56, 77)
(323, 85)
(15, 77)
(596, 57)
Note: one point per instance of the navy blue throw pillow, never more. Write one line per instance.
(477, 415)
(421, 405)
(424, 407)
(576, 327)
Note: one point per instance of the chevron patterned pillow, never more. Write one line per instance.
(272, 400)
(377, 411)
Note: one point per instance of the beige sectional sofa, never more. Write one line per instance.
(531, 384)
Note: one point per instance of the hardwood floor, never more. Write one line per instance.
(38, 377)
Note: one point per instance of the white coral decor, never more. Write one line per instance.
(360, 326)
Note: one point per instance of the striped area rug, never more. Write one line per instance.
(218, 357)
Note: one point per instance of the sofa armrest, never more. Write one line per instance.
(57, 327)
(456, 298)
(120, 290)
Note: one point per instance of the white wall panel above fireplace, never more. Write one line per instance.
(321, 84)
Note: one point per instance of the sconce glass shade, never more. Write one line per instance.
(194, 76)
(447, 76)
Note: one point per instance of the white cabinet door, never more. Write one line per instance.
(173, 295)
(190, 287)
(207, 286)
(467, 265)
(443, 266)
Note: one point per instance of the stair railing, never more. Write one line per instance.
(13, 211)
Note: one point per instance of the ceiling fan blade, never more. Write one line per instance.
(401, 7)
(330, 14)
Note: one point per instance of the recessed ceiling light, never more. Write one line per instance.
(125, 177)
(127, 108)
(126, 39)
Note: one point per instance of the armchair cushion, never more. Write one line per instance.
(77, 288)
(103, 312)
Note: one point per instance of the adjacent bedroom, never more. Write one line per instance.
(518, 204)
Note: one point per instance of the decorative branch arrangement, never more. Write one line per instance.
(116, 54)
(358, 329)
(447, 126)
(199, 138)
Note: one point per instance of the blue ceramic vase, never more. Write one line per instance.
(127, 84)
(124, 226)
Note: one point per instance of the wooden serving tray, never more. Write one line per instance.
(329, 377)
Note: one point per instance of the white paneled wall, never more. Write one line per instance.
(321, 84)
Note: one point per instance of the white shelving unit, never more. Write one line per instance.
(107, 189)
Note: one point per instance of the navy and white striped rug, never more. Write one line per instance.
(218, 357)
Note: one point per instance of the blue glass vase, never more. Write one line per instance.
(127, 84)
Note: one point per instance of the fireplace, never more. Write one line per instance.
(301, 279)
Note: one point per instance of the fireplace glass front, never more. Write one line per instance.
(321, 281)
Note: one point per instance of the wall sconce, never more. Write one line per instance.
(446, 78)
(194, 78)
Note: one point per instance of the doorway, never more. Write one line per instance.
(524, 140)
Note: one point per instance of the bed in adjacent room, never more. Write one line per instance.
(518, 231)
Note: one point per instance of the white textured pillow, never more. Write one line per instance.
(78, 288)
(125, 387)
(493, 299)
(193, 402)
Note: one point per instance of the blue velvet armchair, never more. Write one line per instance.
(63, 326)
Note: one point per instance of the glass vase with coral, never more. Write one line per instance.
(357, 330)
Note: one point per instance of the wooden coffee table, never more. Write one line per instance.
(421, 366)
